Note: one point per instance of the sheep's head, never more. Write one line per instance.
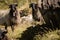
(13, 6)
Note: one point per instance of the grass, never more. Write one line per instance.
(54, 35)
(3, 3)
(18, 30)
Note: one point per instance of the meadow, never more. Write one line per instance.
(23, 28)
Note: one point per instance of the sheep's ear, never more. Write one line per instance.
(36, 4)
(10, 6)
(30, 5)
(58, 3)
(16, 4)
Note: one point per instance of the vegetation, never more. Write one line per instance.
(4, 3)
(25, 30)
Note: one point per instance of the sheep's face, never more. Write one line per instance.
(32, 5)
(13, 7)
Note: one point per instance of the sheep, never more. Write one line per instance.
(10, 17)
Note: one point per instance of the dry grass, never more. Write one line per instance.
(18, 30)
(54, 35)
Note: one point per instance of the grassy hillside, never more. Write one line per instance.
(25, 30)
(3, 3)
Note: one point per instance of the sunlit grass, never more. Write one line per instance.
(54, 35)
(18, 30)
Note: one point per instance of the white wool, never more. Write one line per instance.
(27, 18)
